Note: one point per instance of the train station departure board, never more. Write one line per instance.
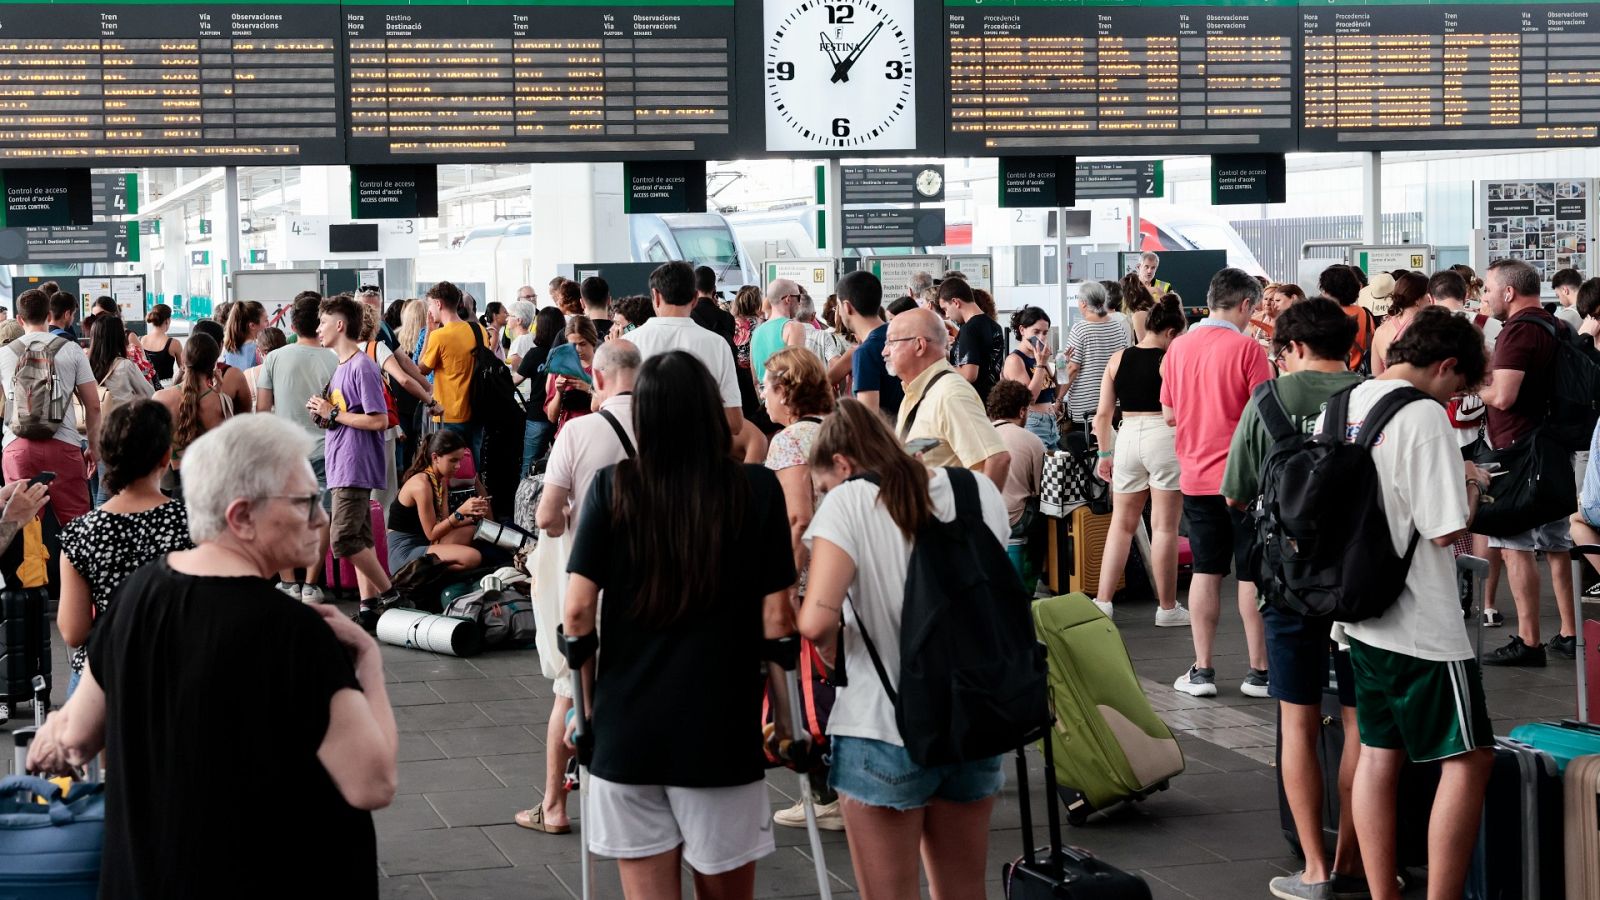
(1380, 75)
(176, 83)
(484, 81)
(1147, 76)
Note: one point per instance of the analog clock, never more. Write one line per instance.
(929, 182)
(840, 75)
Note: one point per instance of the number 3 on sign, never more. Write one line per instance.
(825, 57)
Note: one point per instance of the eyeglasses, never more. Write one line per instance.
(368, 289)
(313, 503)
(899, 339)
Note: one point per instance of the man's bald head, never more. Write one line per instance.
(781, 288)
(920, 323)
(915, 344)
(615, 365)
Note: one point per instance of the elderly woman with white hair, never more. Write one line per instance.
(232, 716)
(1090, 346)
(519, 326)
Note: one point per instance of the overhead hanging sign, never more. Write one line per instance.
(34, 197)
(114, 194)
(1248, 178)
(394, 192)
(1037, 182)
(888, 227)
(314, 237)
(892, 184)
(101, 242)
(1120, 180)
(660, 187)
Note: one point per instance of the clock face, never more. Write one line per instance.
(929, 181)
(839, 75)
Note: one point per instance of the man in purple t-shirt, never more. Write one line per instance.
(355, 415)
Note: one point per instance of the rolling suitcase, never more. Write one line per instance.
(1518, 855)
(24, 644)
(1582, 828)
(340, 574)
(1064, 873)
(1564, 741)
(1110, 746)
(1076, 543)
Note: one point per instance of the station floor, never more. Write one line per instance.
(471, 755)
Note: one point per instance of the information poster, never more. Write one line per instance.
(815, 275)
(895, 271)
(1547, 224)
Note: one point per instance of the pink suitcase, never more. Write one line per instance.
(340, 574)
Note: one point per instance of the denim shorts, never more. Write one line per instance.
(875, 773)
(1298, 656)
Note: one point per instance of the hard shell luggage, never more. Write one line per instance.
(24, 643)
(340, 574)
(1565, 741)
(1582, 828)
(1063, 873)
(1076, 544)
(1518, 855)
(1110, 746)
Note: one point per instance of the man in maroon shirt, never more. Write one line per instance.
(1518, 400)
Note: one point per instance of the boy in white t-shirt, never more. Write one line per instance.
(1419, 694)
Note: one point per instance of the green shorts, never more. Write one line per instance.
(1431, 710)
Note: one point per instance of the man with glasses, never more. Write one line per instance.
(355, 415)
(939, 405)
(1207, 378)
(780, 330)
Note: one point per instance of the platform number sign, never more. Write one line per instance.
(840, 76)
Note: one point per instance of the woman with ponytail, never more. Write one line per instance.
(420, 518)
(1140, 461)
(245, 321)
(861, 541)
(197, 406)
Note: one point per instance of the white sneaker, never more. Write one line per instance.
(1197, 682)
(828, 816)
(310, 593)
(1176, 617)
(1104, 607)
(292, 590)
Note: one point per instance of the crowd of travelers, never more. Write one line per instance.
(722, 474)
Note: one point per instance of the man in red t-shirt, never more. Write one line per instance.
(1518, 400)
(1207, 377)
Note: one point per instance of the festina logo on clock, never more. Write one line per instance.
(839, 75)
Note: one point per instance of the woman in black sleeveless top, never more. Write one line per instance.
(1032, 364)
(420, 520)
(1144, 463)
(161, 350)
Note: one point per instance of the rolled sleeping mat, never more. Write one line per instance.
(503, 535)
(426, 631)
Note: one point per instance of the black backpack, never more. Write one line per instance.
(1321, 533)
(495, 404)
(972, 674)
(1575, 399)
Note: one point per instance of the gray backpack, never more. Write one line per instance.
(38, 406)
(506, 617)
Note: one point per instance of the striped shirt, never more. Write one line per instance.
(1092, 345)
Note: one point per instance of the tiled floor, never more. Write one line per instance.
(472, 749)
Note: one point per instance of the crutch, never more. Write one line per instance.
(786, 653)
(1578, 599)
(578, 651)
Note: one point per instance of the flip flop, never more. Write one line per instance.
(533, 820)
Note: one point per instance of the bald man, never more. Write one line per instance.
(780, 330)
(936, 406)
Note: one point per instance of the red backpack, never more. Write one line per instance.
(388, 398)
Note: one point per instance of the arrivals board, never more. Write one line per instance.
(1144, 77)
(169, 83)
(486, 81)
(1384, 75)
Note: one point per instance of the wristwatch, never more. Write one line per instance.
(333, 417)
(458, 516)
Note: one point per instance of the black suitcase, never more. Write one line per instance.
(24, 643)
(1520, 851)
(1063, 873)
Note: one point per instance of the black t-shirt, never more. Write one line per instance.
(682, 706)
(528, 368)
(602, 327)
(708, 315)
(981, 343)
(217, 693)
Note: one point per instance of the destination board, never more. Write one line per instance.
(178, 83)
(1144, 77)
(1383, 75)
(494, 81)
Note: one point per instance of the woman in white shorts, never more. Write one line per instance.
(677, 770)
(1144, 463)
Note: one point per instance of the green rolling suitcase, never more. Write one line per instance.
(1110, 746)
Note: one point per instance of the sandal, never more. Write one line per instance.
(533, 820)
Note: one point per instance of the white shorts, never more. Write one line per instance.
(1146, 456)
(720, 829)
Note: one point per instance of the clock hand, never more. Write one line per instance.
(827, 45)
(842, 73)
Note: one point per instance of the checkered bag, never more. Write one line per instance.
(1065, 483)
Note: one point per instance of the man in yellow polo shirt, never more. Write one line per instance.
(448, 355)
(938, 406)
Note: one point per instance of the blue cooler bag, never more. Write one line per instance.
(50, 850)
